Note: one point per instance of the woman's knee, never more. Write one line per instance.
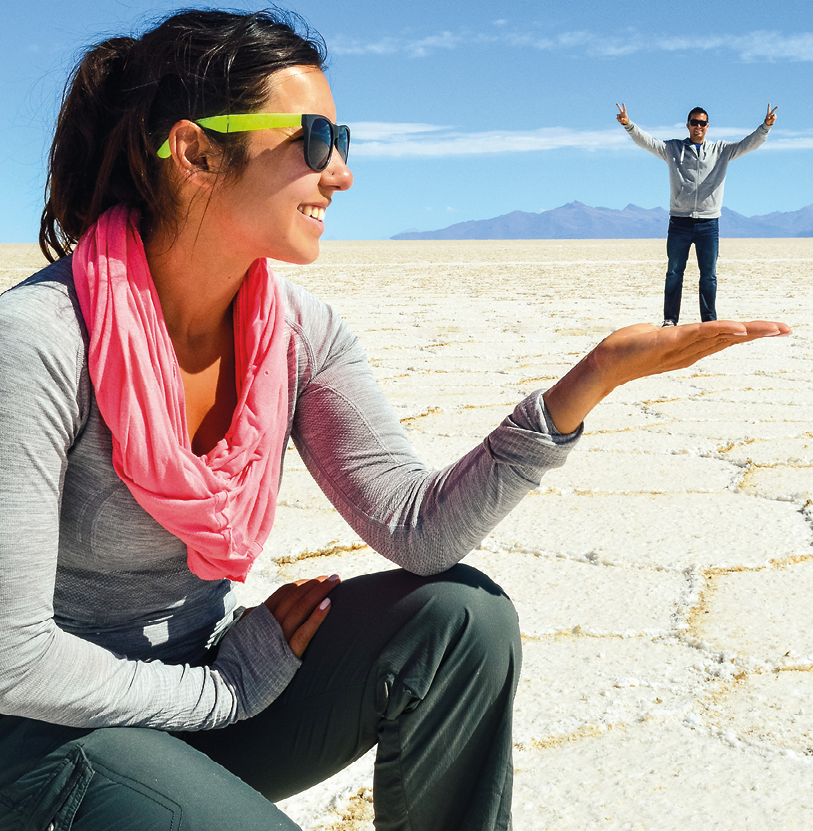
(478, 616)
(474, 592)
(412, 630)
(459, 648)
(392, 599)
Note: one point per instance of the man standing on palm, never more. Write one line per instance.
(697, 171)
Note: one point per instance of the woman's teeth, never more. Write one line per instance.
(313, 212)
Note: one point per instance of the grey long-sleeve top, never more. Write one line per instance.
(697, 177)
(101, 621)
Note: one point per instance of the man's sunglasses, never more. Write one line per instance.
(696, 122)
(320, 134)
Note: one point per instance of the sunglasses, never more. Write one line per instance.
(320, 134)
(696, 122)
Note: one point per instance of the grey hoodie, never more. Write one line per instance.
(697, 177)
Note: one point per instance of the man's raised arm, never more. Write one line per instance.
(756, 139)
(641, 138)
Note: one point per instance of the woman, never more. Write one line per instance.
(150, 379)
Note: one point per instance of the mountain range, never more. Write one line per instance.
(579, 221)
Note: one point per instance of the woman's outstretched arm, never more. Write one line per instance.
(427, 520)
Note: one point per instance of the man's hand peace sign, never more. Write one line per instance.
(622, 116)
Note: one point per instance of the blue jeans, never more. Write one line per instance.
(705, 234)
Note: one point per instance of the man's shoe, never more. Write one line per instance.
(668, 323)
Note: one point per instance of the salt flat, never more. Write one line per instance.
(662, 577)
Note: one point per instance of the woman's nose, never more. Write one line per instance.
(337, 174)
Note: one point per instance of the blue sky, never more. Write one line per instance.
(464, 109)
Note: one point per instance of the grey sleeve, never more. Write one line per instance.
(756, 139)
(424, 520)
(45, 672)
(655, 146)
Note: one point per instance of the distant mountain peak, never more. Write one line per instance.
(575, 220)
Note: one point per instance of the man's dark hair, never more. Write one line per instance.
(696, 111)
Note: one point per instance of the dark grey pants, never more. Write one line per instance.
(424, 667)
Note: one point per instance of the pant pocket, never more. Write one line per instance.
(54, 807)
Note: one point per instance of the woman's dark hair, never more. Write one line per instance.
(126, 93)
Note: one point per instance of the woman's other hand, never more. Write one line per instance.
(300, 607)
(641, 350)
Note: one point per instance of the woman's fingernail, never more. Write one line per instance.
(333, 578)
(324, 604)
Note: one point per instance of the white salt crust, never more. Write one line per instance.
(663, 577)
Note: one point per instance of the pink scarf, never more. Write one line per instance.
(221, 504)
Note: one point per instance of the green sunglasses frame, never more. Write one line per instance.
(246, 122)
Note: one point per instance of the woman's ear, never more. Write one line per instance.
(192, 154)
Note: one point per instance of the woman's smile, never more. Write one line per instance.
(314, 212)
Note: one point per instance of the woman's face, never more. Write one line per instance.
(266, 211)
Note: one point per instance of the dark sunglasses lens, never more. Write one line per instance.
(319, 144)
(343, 141)
(696, 122)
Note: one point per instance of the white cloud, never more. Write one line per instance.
(445, 40)
(384, 131)
(773, 46)
(760, 45)
(416, 48)
(790, 143)
(385, 140)
(754, 46)
(571, 39)
(441, 141)
(385, 46)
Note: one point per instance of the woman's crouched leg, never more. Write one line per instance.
(444, 757)
(132, 778)
(426, 667)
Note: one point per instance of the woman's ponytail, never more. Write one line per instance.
(86, 159)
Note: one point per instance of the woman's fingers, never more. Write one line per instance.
(750, 329)
(300, 639)
(285, 596)
(704, 339)
(300, 608)
(295, 601)
(718, 335)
